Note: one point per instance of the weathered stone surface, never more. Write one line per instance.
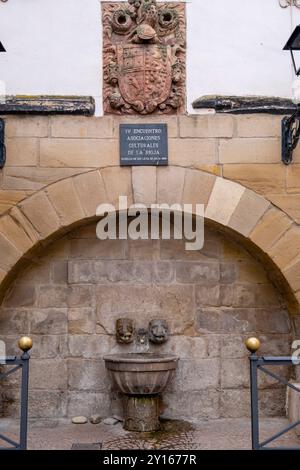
(53, 296)
(163, 273)
(202, 404)
(15, 233)
(87, 375)
(26, 126)
(91, 346)
(10, 198)
(88, 403)
(44, 403)
(59, 272)
(49, 346)
(80, 296)
(78, 153)
(193, 375)
(125, 272)
(292, 275)
(287, 248)
(13, 321)
(213, 296)
(9, 254)
(235, 373)
(235, 403)
(248, 212)
(170, 182)
(242, 321)
(258, 126)
(89, 248)
(198, 272)
(185, 347)
(173, 303)
(247, 295)
(292, 178)
(143, 249)
(270, 228)
(229, 272)
(48, 321)
(34, 178)
(22, 295)
(117, 182)
(249, 150)
(144, 185)
(192, 153)
(260, 177)
(223, 201)
(81, 127)
(20, 219)
(81, 321)
(250, 272)
(35, 209)
(289, 203)
(233, 346)
(48, 374)
(66, 202)
(61, 296)
(91, 192)
(176, 250)
(22, 152)
(197, 187)
(206, 126)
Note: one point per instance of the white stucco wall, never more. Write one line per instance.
(233, 47)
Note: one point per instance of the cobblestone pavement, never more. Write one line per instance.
(177, 435)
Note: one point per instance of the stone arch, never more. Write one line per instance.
(54, 210)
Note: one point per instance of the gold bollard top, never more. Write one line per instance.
(252, 344)
(25, 343)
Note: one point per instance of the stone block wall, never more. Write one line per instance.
(68, 301)
(246, 149)
(59, 169)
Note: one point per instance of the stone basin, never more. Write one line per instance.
(141, 377)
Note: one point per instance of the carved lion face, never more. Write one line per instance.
(124, 330)
(158, 331)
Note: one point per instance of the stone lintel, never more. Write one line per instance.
(77, 105)
(245, 104)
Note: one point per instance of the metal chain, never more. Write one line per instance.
(282, 3)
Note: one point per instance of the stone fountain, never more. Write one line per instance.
(141, 376)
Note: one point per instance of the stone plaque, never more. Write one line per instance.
(143, 144)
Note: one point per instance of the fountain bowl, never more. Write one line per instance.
(141, 374)
(141, 377)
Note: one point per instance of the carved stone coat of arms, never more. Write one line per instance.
(144, 57)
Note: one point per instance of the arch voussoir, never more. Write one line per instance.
(231, 206)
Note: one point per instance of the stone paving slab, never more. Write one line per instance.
(222, 434)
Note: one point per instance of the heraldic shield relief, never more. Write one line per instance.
(144, 57)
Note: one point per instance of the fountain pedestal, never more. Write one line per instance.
(141, 378)
(141, 413)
